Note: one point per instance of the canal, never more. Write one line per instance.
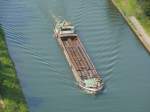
(43, 71)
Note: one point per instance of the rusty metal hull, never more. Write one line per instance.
(79, 61)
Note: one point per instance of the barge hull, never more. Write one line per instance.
(82, 67)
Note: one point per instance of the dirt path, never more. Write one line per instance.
(143, 36)
(1, 103)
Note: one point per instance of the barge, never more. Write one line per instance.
(82, 67)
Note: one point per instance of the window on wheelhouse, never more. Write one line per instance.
(66, 29)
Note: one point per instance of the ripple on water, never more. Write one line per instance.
(45, 76)
(95, 34)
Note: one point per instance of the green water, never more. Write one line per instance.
(45, 76)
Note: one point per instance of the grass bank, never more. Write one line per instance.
(10, 90)
(133, 8)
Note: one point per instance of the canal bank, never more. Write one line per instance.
(2, 106)
(136, 27)
(12, 98)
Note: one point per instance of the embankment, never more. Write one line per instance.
(136, 27)
(12, 98)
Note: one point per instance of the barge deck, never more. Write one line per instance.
(79, 57)
(82, 67)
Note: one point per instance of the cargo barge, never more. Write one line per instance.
(83, 69)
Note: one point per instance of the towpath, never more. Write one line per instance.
(143, 36)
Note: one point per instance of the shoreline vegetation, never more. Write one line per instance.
(11, 95)
(133, 13)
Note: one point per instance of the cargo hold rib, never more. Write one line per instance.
(82, 67)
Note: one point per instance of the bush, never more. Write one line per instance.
(145, 4)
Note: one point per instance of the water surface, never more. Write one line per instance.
(45, 76)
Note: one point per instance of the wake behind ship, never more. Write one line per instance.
(83, 69)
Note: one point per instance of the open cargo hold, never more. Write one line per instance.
(82, 67)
